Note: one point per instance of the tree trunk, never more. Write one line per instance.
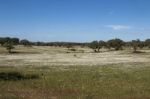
(98, 49)
(135, 48)
(9, 51)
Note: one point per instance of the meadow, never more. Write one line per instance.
(39, 72)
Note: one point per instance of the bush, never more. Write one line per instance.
(72, 49)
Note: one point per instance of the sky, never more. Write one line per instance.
(75, 20)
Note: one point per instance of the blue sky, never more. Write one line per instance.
(75, 20)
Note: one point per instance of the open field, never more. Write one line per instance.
(74, 49)
(56, 73)
(43, 56)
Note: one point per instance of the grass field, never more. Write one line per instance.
(55, 73)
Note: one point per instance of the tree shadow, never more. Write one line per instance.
(22, 52)
(138, 52)
(15, 76)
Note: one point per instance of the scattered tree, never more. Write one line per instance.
(15, 41)
(9, 46)
(25, 42)
(117, 44)
(94, 45)
(69, 46)
(147, 43)
(101, 44)
(4, 40)
(135, 44)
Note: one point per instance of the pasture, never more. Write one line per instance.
(39, 72)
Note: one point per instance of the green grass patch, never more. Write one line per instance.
(116, 81)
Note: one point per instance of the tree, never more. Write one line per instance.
(147, 43)
(117, 44)
(9, 46)
(141, 44)
(135, 44)
(4, 40)
(101, 44)
(94, 45)
(25, 42)
(15, 41)
(68, 45)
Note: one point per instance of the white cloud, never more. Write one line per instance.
(118, 27)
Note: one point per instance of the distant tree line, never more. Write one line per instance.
(118, 44)
(113, 44)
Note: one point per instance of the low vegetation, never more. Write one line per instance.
(115, 81)
(113, 44)
(65, 70)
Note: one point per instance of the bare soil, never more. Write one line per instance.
(58, 56)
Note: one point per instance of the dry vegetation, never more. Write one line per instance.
(41, 56)
(56, 73)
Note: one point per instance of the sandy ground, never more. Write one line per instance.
(44, 59)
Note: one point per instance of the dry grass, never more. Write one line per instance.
(115, 81)
(43, 56)
(74, 75)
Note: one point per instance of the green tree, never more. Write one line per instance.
(135, 44)
(25, 43)
(94, 45)
(147, 43)
(15, 41)
(9, 46)
(101, 44)
(4, 40)
(117, 44)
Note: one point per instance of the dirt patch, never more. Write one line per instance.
(71, 58)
